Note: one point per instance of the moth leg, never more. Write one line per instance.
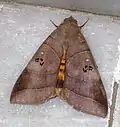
(58, 92)
(84, 23)
(53, 23)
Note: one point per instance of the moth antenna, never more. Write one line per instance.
(53, 23)
(84, 23)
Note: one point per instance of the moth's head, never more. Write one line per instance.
(70, 21)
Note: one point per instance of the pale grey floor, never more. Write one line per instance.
(23, 28)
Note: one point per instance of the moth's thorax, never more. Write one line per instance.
(69, 28)
(69, 31)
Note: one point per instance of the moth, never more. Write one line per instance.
(64, 67)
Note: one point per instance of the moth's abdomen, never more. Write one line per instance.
(61, 72)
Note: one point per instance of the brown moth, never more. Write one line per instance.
(63, 67)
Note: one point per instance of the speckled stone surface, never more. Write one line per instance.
(23, 28)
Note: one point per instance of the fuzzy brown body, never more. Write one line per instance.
(63, 66)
